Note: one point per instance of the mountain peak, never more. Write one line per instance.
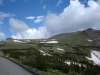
(90, 29)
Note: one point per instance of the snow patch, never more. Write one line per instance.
(50, 42)
(17, 41)
(41, 51)
(48, 54)
(69, 63)
(66, 62)
(45, 53)
(97, 53)
(95, 57)
(89, 40)
(60, 49)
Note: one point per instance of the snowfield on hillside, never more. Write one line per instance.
(50, 42)
(18, 41)
(97, 53)
(60, 49)
(69, 63)
(44, 53)
(95, 57)
(89, 40)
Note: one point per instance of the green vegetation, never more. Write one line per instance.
(51, 65)
(46, 59)
(79, 37)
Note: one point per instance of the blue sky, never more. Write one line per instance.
(35, 19)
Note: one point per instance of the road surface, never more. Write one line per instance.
(7, 67)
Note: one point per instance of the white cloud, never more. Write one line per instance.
(2, 35)
(39, 19)
(44, 7)
(30, 17)
(59, 2)
(74, 17)
(17, 25)
(1, 2)
(32, 33)
(4, 15)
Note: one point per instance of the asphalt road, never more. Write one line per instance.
(7, 67)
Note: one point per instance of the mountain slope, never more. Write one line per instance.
(85, 37)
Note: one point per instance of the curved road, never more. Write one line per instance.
(7, 67)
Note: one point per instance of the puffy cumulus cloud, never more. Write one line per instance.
(17, 26)
(59, 2)
(39, 19)
(32, 33)
(2, 35)
(30, 17)
(24, 32)
(73, 18)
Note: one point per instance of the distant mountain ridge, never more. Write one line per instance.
(86, 37)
